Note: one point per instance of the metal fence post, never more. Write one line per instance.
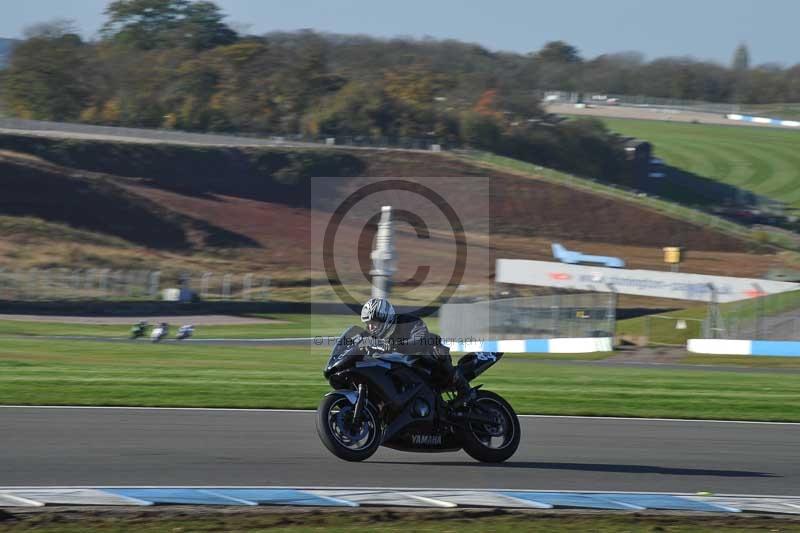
(265, 285)
(103, 282)
(759, 313)
(226, 286)
(612, 311)
(247, 285)
(31, 288)
(555, 310)
(76, 283)
(713, 312)
(154, 280)
(205, 281)
(131, 282)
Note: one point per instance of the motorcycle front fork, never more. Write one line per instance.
(362, 399)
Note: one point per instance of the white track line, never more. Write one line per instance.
(25, 502)
(242, 409)
(385, 489)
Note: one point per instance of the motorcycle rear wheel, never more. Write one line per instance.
(344, 439)
(495, 442)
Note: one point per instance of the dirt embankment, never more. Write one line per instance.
(532, 208)
(259, 198)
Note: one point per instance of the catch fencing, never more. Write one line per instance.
(542, 317)
(666, 330)
(63, 284)
(773, 317)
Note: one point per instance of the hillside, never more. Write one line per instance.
(764, 161)
(188, 208)
(99, 203)
(279, 176)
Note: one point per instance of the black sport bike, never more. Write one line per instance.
(392, 400)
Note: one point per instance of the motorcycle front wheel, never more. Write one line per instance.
(494, 441)
(344, 437)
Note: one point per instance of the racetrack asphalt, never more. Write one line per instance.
(122, 446)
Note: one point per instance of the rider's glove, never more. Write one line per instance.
(378, 345)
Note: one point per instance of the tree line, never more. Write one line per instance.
(178, 64)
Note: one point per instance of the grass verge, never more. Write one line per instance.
(743, 360)
(462, 520)
(288, 325)
(38, 372)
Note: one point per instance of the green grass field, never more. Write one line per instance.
(47, 372)
(656, 204)
(763, 160)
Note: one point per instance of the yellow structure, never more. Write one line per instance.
(672, 254)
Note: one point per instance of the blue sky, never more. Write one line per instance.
(705, 29)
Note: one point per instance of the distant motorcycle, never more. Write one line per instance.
(159, 332)
(185, 332)
(138, 330)
(389, 400)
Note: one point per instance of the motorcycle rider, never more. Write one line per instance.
(138, 329)
(185, 331)
(408, 334)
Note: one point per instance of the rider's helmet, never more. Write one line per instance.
(379, 317)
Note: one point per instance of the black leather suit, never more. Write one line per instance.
(411, 337)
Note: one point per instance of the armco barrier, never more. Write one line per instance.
(577, 345)
(744, 347)
(763, 120)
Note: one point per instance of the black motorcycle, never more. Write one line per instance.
(393, 400)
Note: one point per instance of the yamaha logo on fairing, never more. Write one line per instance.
(427, 440)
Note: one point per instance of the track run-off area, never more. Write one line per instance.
(64, 446)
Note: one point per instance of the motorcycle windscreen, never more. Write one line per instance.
(345, 340)
(474, 364)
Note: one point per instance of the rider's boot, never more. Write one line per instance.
(464, 393)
